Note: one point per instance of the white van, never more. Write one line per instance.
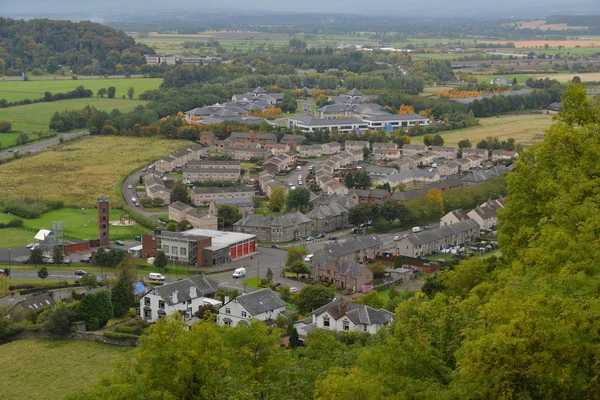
(133, 199)
(155, 276)
(239, 273)
(308, 258)
(416, 229)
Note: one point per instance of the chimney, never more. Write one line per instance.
(174, 298)
(342, 306)
(193, 294)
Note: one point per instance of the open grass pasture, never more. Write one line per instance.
(561, 77)
(525, 128)
(36, 117)
(80, 172)
(42, 369)
(21, 90)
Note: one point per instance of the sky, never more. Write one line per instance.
(431, 8)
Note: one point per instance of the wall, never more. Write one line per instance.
(86, 336)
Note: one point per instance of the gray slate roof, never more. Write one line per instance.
(432, 235)
(352, 246)
(267, 221)
(359, 313)
(183, 289)
(260, 301)
(37, 301)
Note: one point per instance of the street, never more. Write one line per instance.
(35, 147)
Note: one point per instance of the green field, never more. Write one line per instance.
(21, 90)
(15, 237)
(51, 370)
(561, 77)
(36, 117)
(8, 139)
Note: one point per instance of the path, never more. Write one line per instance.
(39, 146)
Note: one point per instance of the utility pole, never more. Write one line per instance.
(258, 271)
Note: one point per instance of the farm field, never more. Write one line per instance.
(81, 223)
(525, 128)
(20, 90)
(550, 43)
(61, 367)
(8, 139)
(79, 172)
(36, 117)
(561, 77)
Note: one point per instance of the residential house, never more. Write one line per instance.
(202, 196)
(400, 275)
(246, 153)
(244, 204)
(32, 303)
(485, 214)
(210, 174)
(276, 228)
(359, 195)
(356, 145)
(293, 140)
(310, 150)
(261, 95)
(448, 168)
(185, 296)
(376, 173)
(446, 183)
(406, 163)
(179, 211)
(156, 188)
(263, 305)
(340, 316)
(343, 273)
(386, 151)
(358, 249)
(249, 137)
(332, 148)
(332, 186)
(166, 164)
(449, 153)
(208, 138)
(475, 177)
(427, 242)
(481, 153)
(425, 158)
(277, 149)
(453, 217)
(500, 155)
(464, 164)
(412, 177)
(213, 164)
(328, 217)
(182, 157)
(413, 149)
(276, 164)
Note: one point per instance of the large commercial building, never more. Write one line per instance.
(199, 247)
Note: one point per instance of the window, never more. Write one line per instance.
(326, 322)
(364, 328)
(182, 251)
(146, 301)
(244, 314)
(147, 314)
(161, 304)
(228, 323)
(174, 250)
(228, 311)
(166, 249)
(346, 325)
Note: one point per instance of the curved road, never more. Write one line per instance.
(39, 146)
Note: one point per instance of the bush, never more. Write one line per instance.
(117, 335)
(29, 208)
(131, 330)
(9, 328)
(20, 286)
(5, 126)
(13, 223)
(141, 219)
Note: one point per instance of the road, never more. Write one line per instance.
(293, 176)
(39, 146)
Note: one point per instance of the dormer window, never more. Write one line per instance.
(326, 322)
(346, 325)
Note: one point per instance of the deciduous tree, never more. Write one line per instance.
(312, 297)
(160, 261)
(277, 198)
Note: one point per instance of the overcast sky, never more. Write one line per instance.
(431, 8)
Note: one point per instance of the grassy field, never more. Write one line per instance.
(81, 224)
(54, 369)
(36, 117)
(80, 172)
(8, 139)
(561, 77)
(525, 128)
(15, 237)
(21, 90)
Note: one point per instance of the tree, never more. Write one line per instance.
(229, 214)
(22, 139)
(372, 299)
(183, 225)
(179, 192)
(257, 201)
(57, 254)
(269, 274)
(36, 256)
(464, 144)
(363, 212)
(362, 180)
(349, 180)
(392, 210)
(160, 261)
(130, 93)
(398, 262)
(437, 140)
(298, 198)
(366, 153)
(121, 297)
(294, 338)
(406, 109)
(171, 226)
(111, 92)
(102, 92)
(312, 297)
(89, 281)
(42, 273)
(277, 198)
(5, 127)
(378, 269)
(58, 319)
(96, 309)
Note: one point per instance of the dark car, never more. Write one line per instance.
(274, 246)
(80, 272)
(119, 243)
(332, 238)
(320, 236)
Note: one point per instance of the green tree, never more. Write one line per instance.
(42, 273)
(378, 269)
(277, 198)
(160, 261)
(36, 256)
(96, 309)
(294, 338)
(183, 225)
(171, 226)
(269, 275)
(130, 93)
(5, 127)
(366, 153)
(349, 180)
(578, 109)
(257, 201)
(464, 144)
(57, 254)
(58, 319)
(298, 199)
(179, 192)
(22, 139)
(437, 140)
(363, 212)
(89, 281)
(52, 65)
(372, 299)
(398, 263)
(111, 92)
(121, 297)
(312, 297)
(102, 92)
(229, 214)
(392, 210)
(362, 180)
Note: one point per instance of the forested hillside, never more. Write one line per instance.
(86, 48)
(522, 326)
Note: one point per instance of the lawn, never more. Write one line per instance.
(79, 172)
(15, 237)
(42, 369)
(21, 90)
(37, 116)
(8, 139)
(525, 128)
(82, 223)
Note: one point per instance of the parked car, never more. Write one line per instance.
(80, 272)
(136, 204)
(119, 243)
(355, 230)
(84, 260)
(320, 236)
(405, 236)
(133, 199)
(293, 289)
(308, 258)
(1, 272)
(396, 238)
(416, 229)
(129, 187)
(30, 245)
(155, 276)
(298, 168)
(310, 238)
(239, 273)
(274, 246)
(331, 238)
(387, 254)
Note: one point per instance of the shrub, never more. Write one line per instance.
(9, 328)
(19, 286)
(117, 335)
(5, 126)
(29, 208)
(132, 330)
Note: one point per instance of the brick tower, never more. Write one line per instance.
(103, 221)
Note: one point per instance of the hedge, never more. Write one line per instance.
(13, 223)
(140, 218)
(44, 288)
(116, 335)
(20, 286)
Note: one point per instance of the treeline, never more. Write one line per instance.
(29, 208)
(85, 48)
(79, 93)
(497, 105)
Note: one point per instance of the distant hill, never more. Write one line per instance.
(86, 48)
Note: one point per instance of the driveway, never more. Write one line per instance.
(39, 146)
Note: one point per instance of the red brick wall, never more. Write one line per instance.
(148, 245)
(202, 244)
